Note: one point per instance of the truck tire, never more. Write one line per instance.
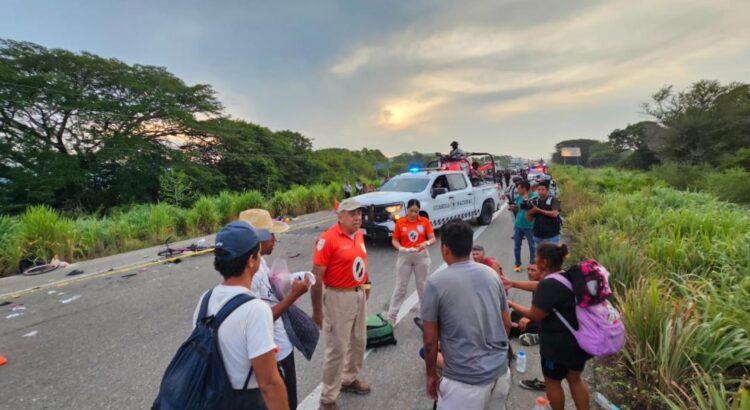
(485, 217)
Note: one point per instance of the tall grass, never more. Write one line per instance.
(679, 263)
(42, 232)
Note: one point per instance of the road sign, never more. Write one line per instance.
(570, 152)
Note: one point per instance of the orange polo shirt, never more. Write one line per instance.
(410, 234)
(344, 257)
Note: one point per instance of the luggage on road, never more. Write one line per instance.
(379, 331)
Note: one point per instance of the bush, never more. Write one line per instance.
(732, 185)
(250, 200)
(226, 207)
(202, 217)
(10, 249)
(682, 177)
(43, 234)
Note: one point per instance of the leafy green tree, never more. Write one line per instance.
(175, 188)
(78, 129)
(603, 154)
(708, 121)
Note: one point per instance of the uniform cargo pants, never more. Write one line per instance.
(406, 263)
(345, 329)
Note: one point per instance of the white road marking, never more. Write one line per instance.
(312, 401)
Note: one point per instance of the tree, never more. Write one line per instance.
(77, 129)
(175, 188)
(602, 154)
(707, 122)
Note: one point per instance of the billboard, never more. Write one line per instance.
(570, 152)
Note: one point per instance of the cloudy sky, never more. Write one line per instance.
(511, 77)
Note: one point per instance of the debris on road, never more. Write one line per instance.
(5, 303)
(142, 270)
(129, 275)
(3, 360)
(12, 315)
(52, 292)
(31, 334)
(74, 272)
(18, 308)
(70, 299)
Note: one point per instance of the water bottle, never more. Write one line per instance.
(521, 362)
(604, 402)
(541, 404)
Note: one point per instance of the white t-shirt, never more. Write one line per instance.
(262, 289)
(245, 334)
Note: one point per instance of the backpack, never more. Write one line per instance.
(196, 377)
(379, 332)
(590, 282)
(600, 329)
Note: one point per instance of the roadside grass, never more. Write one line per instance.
(679, 263)
(42, 232)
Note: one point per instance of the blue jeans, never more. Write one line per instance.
(552, 239)
(518, 235)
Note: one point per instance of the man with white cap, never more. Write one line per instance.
(340, 265)
(267, 228)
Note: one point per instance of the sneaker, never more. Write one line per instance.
(532, 384)
(516, 269)
(529, 339)
(356, 387)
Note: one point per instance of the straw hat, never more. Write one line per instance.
(261, 219)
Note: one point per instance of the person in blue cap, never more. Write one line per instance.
(246, 337)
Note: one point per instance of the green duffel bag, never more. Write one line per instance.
(379, 331)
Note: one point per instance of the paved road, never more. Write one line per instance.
(109, 347)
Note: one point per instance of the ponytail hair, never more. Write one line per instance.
(552, 253)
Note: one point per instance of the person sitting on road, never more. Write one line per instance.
(464, 308)
(411, 237)
(267, 228)
(246, 337)
(561, 356)
(478, 255)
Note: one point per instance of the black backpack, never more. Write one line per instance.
(196, 378)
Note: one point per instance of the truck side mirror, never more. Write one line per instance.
(438, 191)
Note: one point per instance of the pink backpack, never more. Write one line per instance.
(600, 329)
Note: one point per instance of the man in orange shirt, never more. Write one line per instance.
(340, 265)
(411, 236)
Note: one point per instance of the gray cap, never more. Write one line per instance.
(235, 239)
(349, 204)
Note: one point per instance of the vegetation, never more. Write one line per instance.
(41, 232)
(76, 130)
(679, 263)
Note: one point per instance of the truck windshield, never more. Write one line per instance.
(413, 185)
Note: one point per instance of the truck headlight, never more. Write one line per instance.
(393, 209)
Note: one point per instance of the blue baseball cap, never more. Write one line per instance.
(236, 239)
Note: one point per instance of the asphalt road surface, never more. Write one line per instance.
(103, 339)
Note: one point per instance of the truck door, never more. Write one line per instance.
(461, 196)
(440, 211)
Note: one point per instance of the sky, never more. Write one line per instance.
(508, 77)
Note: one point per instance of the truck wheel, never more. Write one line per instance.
(485, 218)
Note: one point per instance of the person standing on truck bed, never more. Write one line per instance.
(456, 152)
(411, 237)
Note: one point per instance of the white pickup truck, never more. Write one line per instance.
(444, 195)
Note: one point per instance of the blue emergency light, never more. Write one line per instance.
(414, 168)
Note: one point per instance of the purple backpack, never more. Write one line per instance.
(600, 329)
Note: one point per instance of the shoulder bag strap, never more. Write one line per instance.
(204, 306)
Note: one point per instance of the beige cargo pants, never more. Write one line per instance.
(406, 264)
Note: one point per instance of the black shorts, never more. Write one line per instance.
(557, 371)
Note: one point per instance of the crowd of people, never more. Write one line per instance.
(464, 310)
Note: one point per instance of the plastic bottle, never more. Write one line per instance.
(604, 402)
(521, 362)
(541, 404)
